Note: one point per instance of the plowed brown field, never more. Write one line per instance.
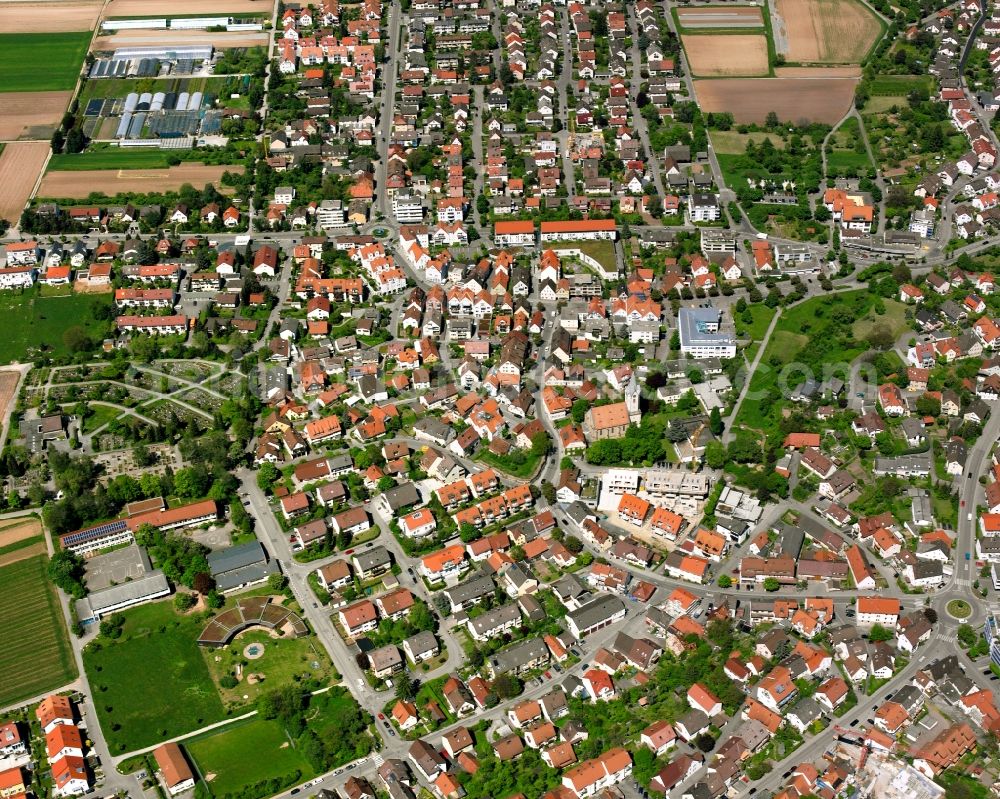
(821, 99)
(53, 17)
(826, 31)
(174, 8)
(726, 55)
(31, 115)
(77, 185)
(20, 165)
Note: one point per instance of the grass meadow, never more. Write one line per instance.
(152, 684)
(34, 322)
(41, 62)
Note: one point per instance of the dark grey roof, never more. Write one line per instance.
(238, 557)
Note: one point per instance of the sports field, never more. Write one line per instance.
(258, 751)
(39, 62)
(151, 684)
(34, 322)
(246, 753)
(36, 643)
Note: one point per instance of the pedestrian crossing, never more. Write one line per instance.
(377, 760)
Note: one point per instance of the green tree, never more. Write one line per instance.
(879, 633)
(579, 410)
(967, 635)
(771, 584)
(725, 581)
(715, 422)
(506, 687)
(184, 601)
(267, 475)
(715, 454)
(66, 570)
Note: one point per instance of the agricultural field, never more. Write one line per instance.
(40, 62)
(80, 184)
(179, 8)
(110, 158)
(142, 38)
(9, 380)
(20, 540)
(732, 55)
(20, 165)
(897, 86)
(824, 31)
(35, 322)
(36, 641)
(54, 16)
(797, 100)
(120, 87)
(31, 115)
(716, 17)
(154, 639)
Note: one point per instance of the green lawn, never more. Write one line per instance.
(41, 62)
(814, 335)
(755, 330)
(731, 142)
(284, 661)
(601, 251)
(894, 317)
(110, 158)
(845, 160)
(900, 85)
(239, 759)
(152, 683)
(36, 642)
(523, 469)
(246, 753)
(35, 322)
(101, 415)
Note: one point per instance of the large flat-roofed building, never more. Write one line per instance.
(714, 242)
(241, 566)
(99, 604)
(701, 335)
(576, 229)
(101, 536)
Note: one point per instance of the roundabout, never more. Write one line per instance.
(959, 609)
